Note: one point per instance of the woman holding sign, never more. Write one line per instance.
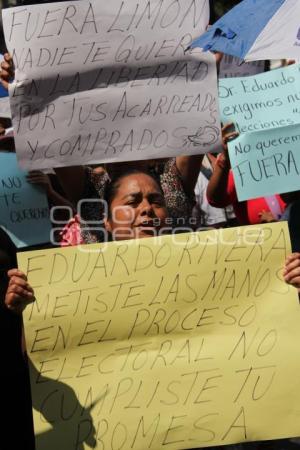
(14, 378)
(136, 209)
(221, 192)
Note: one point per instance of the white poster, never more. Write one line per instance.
(110, 81)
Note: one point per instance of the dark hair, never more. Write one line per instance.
(112, 187)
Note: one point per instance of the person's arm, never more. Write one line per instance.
(218, 184)
(39, 178)
(189, 168)
(72, 181)
(19, 293)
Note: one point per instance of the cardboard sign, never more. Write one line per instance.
(181, 341)
(24, 207)
(110, 81)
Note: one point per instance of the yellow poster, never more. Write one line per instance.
(177, 342)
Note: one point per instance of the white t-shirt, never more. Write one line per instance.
(209, 216)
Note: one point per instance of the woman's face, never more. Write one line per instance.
(138, 209)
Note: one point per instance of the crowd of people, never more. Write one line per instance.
(148, 198)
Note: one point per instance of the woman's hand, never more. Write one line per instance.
(19, 293)
(223, 158)
(7, 70)
(266, 217)
(291, 273)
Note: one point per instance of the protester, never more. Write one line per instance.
(221, 192)
(140, 198)
(16, 420)
(177, 177)
(135, 200)
(136, 209)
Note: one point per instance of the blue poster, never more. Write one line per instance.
(261, 102)
(24, 211)
(266, 162)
